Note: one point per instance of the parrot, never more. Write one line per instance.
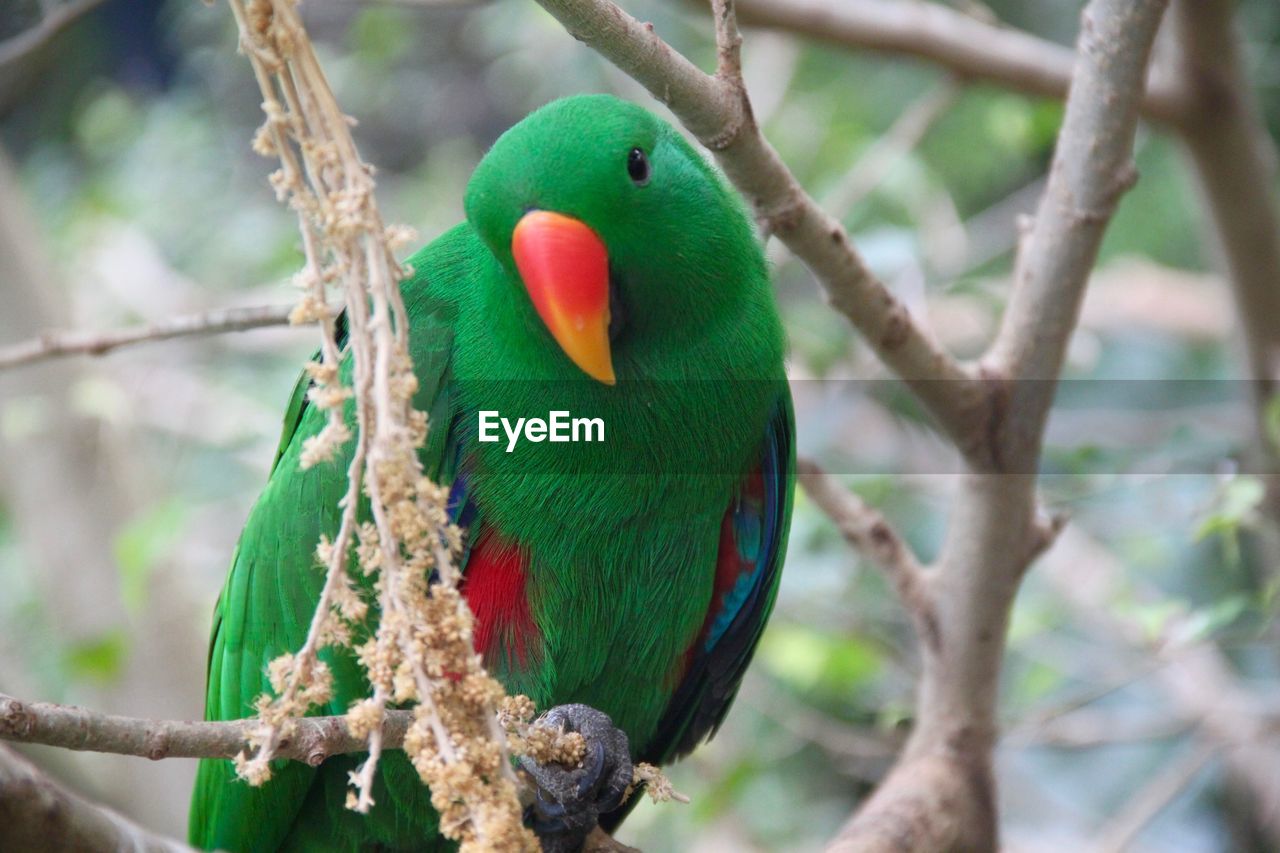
(605, 269)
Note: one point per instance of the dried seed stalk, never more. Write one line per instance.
(422, 651)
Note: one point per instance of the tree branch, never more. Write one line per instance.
(941, 793)
(865, 175)
(906, 133)
(1197, 678)
(15, 49)
(715, 109)
(870, 533)
(1092, 168)
(1234, 161)
(313, 739)
(1143, 807)
(970, 48)
(39, 814)
(57, 343)
(58, 819)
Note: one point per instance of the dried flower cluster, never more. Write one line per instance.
(543, 743)
(656, 784)
(422, 651)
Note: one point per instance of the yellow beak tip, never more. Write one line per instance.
(602, 373)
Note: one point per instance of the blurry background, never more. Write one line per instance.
(128, 193)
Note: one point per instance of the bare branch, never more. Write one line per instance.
(1200, 679)
(854, 746)
(39, 814)
(69, 488)
(312, 739)
(1234, 161)
(1092, 168)
(17, 48)
(1092, 729)
(1197, 678)
(57, 343)
(728, 44)
(600, 841)
(1165, 785)
(870, 533)
(720, 116)
(970, 48)
(941, 794)
(883, 154)
(906, 132)
(428, 4)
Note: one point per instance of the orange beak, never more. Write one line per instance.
(565, 268)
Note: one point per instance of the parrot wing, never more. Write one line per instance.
(753, 543)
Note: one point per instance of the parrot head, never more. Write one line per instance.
(615, 231)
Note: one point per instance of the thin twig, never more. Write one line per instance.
(1143, 807)
(311, 739)
(423, 4)
(905, 134)
(15, 49)
(869, 532)
(1091, 729)
(59, 343)
(599, 841)
(964, 45)
(728, 44)
(1197, 677)
(901, 138)
(1046, 717)
(840, 739)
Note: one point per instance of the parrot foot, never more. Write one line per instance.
(570, 800)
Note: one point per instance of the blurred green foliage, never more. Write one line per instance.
(96, 660)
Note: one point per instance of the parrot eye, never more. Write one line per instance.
(638, 167)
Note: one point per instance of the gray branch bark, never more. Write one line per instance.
(971, 48)
(868, 531)
(1234, 161)
(18, 48)
(60, 343)
(1198, 679)
(38, 814)
(941, 794)
(313, 739)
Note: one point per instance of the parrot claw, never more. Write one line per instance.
(570, 800)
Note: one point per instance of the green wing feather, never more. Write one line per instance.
(702, 700)
(270, 595)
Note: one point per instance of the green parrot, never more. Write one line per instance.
(604, 271)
